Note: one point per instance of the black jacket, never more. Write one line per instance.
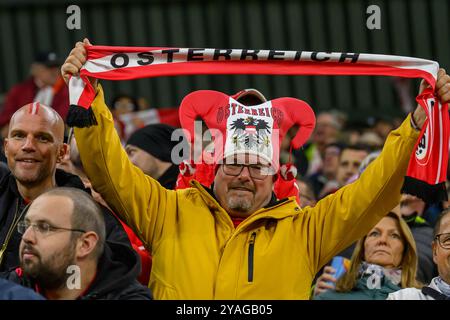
(117, 271)
(12, 204)
(169, 178)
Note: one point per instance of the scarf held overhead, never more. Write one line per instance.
(426, 173)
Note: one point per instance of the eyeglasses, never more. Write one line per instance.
(257, 171)
(43, 228)
(443, 239)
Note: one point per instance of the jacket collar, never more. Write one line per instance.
(62, 178)
(118, 267)
(169, 178)
(386, 286)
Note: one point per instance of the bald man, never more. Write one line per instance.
(33, 147)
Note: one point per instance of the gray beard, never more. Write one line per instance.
(240, 205)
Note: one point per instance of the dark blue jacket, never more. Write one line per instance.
(11, 291)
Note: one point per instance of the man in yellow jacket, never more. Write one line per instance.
(276, 251)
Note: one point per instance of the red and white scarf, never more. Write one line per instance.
(426, 173)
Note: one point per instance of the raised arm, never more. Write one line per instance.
(136, 197)
(347, 215)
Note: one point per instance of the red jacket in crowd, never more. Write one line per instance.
(24, 93)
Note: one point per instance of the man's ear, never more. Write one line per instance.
(62, 152)
(86, 244)
(434, 248)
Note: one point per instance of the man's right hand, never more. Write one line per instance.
(326, 281)
(75, 61)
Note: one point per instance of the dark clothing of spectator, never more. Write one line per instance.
(318, 181)
(24, 93)
(2, 152)
(3, 168)
(301, 160)
(115, 279)
(12, 205)
(169, 178)
(432, 213)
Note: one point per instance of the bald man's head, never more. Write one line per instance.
(35, 144)
(38, 112)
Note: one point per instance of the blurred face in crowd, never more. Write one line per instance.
(143, 160)
(241, 194)
(349, 163)
(325, 130)
(441, 255)
(331, 161)
(307, 197)
(122, 106)
(34, 144)
(45, 253)
(410, 205)
(384, 244)
(43, 75)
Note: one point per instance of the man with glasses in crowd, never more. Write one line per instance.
(235, 240)
(64, 255)
(439, 287)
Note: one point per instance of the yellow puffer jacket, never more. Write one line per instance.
(273, 254)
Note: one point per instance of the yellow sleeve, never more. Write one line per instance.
(137, 198)
(341, 218)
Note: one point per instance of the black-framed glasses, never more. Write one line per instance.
(443, 239)
(257, 171)
(43, 228)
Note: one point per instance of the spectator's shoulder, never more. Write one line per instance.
(13, 291)
(406, 294)
(4, 171)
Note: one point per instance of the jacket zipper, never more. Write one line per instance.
(251, 251)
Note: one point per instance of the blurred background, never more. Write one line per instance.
(416, 28)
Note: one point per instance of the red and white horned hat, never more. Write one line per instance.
(240, 129)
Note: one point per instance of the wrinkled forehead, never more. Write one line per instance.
(245, 158)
